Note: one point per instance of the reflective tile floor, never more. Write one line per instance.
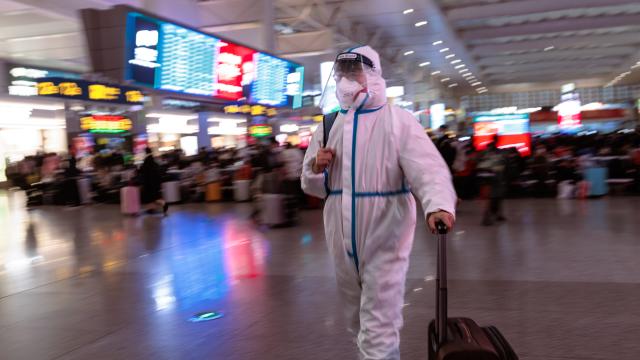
(561, 279)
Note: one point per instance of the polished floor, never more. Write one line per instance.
(561, 279)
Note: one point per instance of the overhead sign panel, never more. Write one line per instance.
(168, 56)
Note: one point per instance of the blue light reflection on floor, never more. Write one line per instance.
(306, 239)
(197, 262)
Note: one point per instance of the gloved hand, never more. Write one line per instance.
(323, 159)
(442, 215)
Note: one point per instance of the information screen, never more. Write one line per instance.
(512, 131)
(166, 56)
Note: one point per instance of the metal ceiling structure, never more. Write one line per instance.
(456, 46)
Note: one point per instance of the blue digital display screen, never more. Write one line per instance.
(167, 56)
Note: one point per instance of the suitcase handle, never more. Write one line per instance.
(441, 283)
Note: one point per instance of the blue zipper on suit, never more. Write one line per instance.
(354, 251)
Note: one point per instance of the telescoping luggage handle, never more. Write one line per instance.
(441, 283)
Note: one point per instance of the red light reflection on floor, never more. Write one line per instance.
(243, 251)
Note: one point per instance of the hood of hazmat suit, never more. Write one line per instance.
(382, 156)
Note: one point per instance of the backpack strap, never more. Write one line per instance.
(327, 124)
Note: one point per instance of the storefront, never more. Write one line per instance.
(29, 126)
(171, 130)
(100, 117)
(227, 131)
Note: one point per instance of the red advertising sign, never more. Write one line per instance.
(234, 69)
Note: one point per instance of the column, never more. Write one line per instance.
(268, 18)
(185, 11)
(203, 130)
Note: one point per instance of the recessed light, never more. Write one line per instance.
(453, 85)
(426, 63)
(408, 52)
(437, 42)
(549, 48)
(464, 71)
(445, 79)
(444, 50)
(421, 23)
(460, 66)
(450, 56)
(455, 61)
(408, 11)
(476, 83)
(435, 72)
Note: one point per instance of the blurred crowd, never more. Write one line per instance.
(559, 166)
(554, 159)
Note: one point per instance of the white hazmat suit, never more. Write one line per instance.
(382, 156)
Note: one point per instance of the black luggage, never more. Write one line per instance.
(460, 338)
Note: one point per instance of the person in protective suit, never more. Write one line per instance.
(376, 155)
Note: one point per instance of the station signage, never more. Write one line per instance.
(23, 80)
(88, 90)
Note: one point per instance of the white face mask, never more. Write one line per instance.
(347, 90)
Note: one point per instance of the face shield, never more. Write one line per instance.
(347, 82)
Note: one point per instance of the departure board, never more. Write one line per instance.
(171, 57)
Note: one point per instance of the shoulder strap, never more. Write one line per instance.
(327, 124)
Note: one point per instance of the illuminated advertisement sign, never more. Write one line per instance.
(260, 130)
(105, 124)
(512, 131)
(437, 116)
(88, 90)
(569, 111)
(23, 80)
(167, 56)
(253, 110)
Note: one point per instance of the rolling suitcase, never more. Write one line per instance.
(130, 200)
(460, 338)
(171, 191)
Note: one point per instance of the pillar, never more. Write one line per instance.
(268, 18)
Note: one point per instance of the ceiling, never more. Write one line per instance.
(502, 44)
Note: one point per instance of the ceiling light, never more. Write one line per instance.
(456, 61)
(450, 56)
(482, 91)
(464, 71)
(437, 42)
(549, 48)
(444, 50)
(460, 66)
(421, 23)
(408, 52)
(445, 79)
(424, 64)
(435, 72)
(408, 11)
(476, 83)
(453, 85)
